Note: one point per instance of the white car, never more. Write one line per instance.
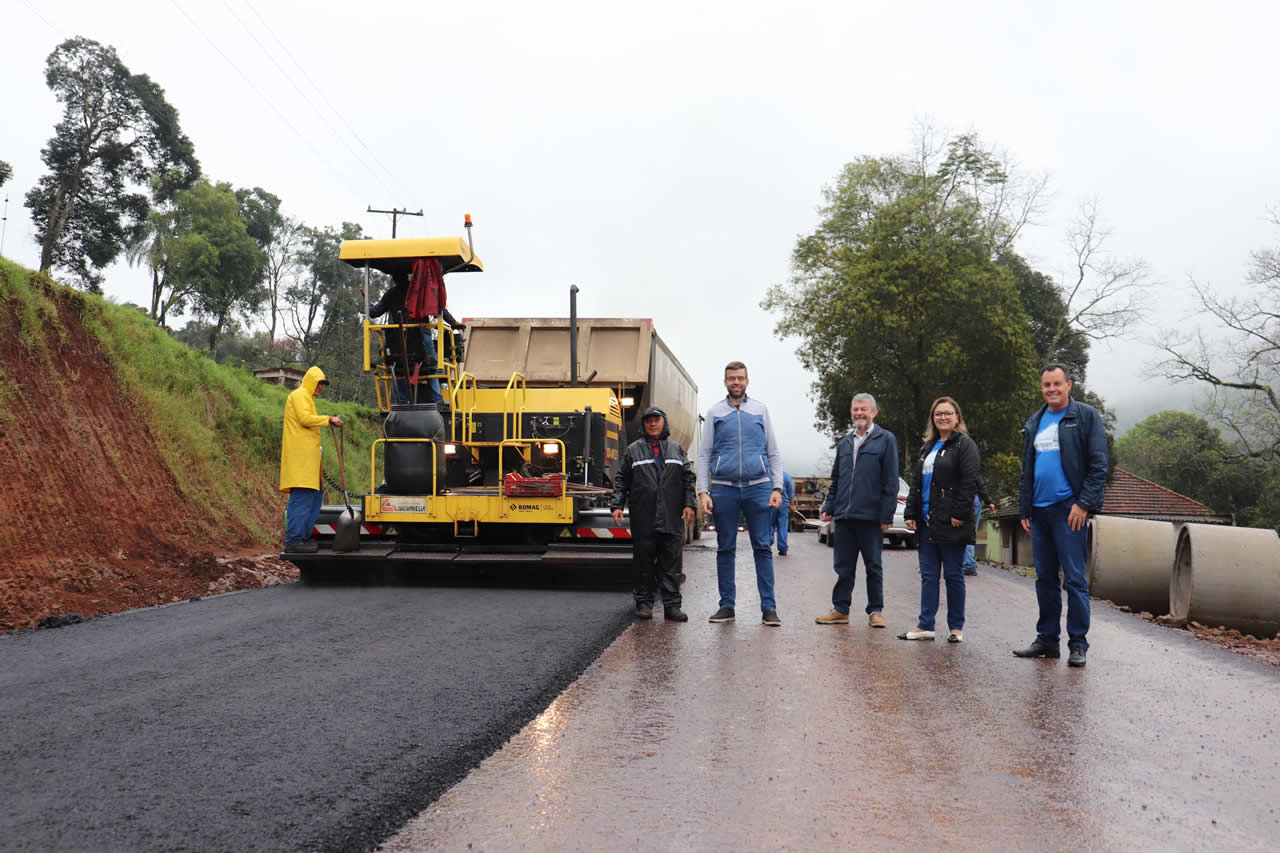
(898, 534)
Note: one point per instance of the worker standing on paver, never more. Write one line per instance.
(656, 479)
(1064, 472)
(300, 461)
(861, 502)
(740, 471)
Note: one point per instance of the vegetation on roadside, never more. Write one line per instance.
(218, 427)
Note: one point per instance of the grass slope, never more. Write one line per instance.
(217, 426)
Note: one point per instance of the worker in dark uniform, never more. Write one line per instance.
(656, 479)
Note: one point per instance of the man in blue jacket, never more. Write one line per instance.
(740, 470)
(1064, 472)
(861, 502)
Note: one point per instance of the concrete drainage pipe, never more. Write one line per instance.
(1130, 561)
(1227, 576)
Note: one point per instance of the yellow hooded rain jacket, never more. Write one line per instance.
(300, 444)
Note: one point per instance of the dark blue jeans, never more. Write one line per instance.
(1057, 548)
(853, 537)
(753, 503)
(781, 519)
(301, 514)
(936, 557)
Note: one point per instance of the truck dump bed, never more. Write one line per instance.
(625, 354)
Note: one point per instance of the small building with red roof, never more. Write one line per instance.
(1126, 495)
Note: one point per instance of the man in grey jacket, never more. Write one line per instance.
(861, 501)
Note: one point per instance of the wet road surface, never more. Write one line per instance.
(714, 737)
(288, 718)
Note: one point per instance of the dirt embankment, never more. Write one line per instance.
(92, 520)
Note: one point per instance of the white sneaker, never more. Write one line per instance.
(916, 634)
(956, 637)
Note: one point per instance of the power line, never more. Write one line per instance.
(33, 10)
(271, 56)
(320, 92)
(283, 118)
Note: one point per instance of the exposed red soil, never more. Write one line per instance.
(91, 519)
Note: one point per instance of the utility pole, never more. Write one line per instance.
(395, 213)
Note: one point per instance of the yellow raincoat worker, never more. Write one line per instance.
(300, 461)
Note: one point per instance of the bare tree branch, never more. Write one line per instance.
(1106, 299)
(1243, 370)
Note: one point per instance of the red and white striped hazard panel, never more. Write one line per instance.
(604, 533)
(329, 530)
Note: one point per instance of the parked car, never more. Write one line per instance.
(898, 535)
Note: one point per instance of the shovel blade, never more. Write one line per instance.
(346, 535)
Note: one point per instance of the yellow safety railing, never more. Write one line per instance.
(459, 410)
(512, 408)
(384, 377)
(373, 461)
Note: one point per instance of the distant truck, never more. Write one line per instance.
(625, 355)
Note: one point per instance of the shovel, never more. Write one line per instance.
(346, 535)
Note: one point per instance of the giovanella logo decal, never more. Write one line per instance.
(403, 504)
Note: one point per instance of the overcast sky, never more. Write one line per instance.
(665, 156)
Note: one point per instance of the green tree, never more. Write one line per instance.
(899, 292)
(153, 241)
(322, 311)
(1051, 334)
(1183, 452)
(117, 131)
(229, 283)
(6, 172)
(278, 238)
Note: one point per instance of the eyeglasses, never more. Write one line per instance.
(941, 414)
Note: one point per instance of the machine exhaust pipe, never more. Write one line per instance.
(573, 336)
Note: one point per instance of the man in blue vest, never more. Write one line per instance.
(740, 471)
(1064, 472)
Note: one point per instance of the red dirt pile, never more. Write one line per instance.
(93, 521)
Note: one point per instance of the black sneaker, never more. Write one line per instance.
(970, 572)
(782, 553)
(644, 611)
(1076, 658)
(674, 614)
(1035, 650)
(308, 547)
(724, 614)
(770, 618)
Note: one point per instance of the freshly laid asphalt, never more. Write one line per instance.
(288, 718)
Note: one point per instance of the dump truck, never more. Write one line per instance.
(625, 355)
(515, 460)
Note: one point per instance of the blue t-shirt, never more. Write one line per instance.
(926, 471)
(1051, 484)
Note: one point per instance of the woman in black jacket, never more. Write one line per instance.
(940, 505)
